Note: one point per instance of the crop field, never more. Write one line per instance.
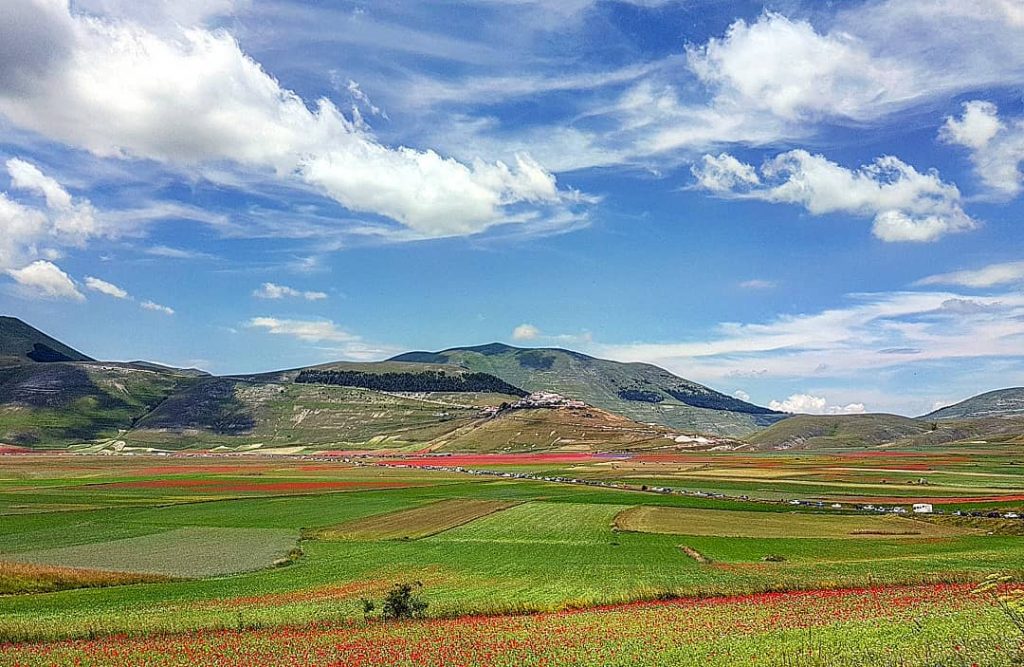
(678, 521)
(180, 552)
(963, 474)
(414, 523)
(173, 560)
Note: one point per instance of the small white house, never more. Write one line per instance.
(923, 508)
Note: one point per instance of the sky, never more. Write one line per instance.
(815, 206)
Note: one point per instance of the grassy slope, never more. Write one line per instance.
(827, 431)
(232, 412)
(870, 430)
(599, 383)
(57, 404)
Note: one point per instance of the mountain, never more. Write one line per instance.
(21, 343)
(837, 431)
(642, 392)
(999, 403)
(60, 403)
(874, 430)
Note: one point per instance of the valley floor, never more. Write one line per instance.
(247, 560)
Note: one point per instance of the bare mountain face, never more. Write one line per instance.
(642, 392)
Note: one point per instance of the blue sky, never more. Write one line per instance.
(813, 205)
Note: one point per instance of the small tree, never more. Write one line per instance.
(368, 607)
(402, 601)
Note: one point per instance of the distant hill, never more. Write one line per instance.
(642, 392)
(61, 403)
(999, 403)
(837, 431)
(21, 343)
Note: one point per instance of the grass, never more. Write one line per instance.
(677, 521)
(413, 523)
(879, 627)
(550, 547)
(29, 578)
(181, 552)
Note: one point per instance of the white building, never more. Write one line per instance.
(922, 508)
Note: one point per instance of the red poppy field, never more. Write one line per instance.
(876, 626)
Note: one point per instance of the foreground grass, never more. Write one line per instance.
(923, 626)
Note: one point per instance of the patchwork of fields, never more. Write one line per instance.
(142, 546)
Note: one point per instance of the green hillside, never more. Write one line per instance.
(63, 403)
(21, 343)
(642, 392)
(274, 411)
(837, 431)
(999, 403)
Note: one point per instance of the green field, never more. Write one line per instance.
(227, 531)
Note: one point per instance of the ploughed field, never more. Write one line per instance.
(245, 560)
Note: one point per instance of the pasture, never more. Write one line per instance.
(207, 545)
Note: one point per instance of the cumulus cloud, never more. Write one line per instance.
(47, 280)
(815, 405)
(906, 205)
(742, 395)
(30, 228)
(156, 307)
(996, 146)
(525, 332)
(274, 291)
(103, 287)
(226, 108)
(1005, 273)
(787, 68)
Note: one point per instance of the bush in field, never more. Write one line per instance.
(402, 601)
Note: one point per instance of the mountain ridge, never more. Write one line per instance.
(643, 392)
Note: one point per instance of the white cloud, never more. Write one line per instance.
(758, 284)
(29, 230)
(906, 205)
(312, 331)
(225, 107)
(103, 287)
(525, 332)
(156, 307)
(875, 331)
(787, 68)
(996, 146)
(1005, 273)
(274, 291)
(742, 395)
(176, 253)
(340, 342)
(47, 280)
(815, 405)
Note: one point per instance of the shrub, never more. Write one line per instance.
(402, 601)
